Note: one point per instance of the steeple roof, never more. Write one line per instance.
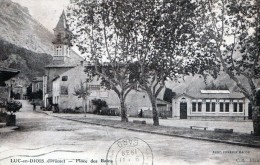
(62, 22)
(61, 31)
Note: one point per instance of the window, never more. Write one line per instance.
(64, 78)
(213, 107)
(58, 50)
(194, 107)
(227, 107)
(235, 107)
(207, 107)
(221, 106)
(199, 107)
(64, 90)
(240, 107)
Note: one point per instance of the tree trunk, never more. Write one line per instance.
(154, 108)
(84, 107)
(123, 110)
(256, 119)
(155, 112)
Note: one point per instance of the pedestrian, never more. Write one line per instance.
(141, 113)
(34, 106)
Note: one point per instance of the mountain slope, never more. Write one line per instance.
(18, 27)
(30, 64)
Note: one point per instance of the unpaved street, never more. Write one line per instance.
(43, 139)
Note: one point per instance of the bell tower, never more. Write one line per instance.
(61, 40)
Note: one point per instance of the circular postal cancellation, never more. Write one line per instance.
(130, 151)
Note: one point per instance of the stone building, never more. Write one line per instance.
(64, 94)
(212, 105)
(64, 58)
(19, 92)
(37, 84)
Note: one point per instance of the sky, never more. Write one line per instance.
(47, 12)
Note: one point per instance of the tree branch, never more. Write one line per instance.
(159, 89)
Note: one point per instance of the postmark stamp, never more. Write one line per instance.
(130, 151)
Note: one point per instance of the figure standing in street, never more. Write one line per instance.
(34, 106)
(141, 113)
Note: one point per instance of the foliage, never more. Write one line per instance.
(2, 104)
(109, 111)
(37, 95)
(168, 95)
(160, 39)
(81, 91)
(213, 86)
(34, 95)
(78, 108)
(150, 35)
(99, 104)
(13, 106)
(104, 44)
(3, 116)
(231, 34)
(69, 110)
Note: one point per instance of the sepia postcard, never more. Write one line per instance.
(136, 82)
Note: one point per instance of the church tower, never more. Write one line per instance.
(64, 58)
(61, 40)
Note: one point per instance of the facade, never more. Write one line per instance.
(211, 104)
(19, 92)
(65, 84)
(18, 88)
(37, 84)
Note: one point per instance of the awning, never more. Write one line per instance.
(7, 73)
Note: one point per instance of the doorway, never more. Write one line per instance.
(183, 110)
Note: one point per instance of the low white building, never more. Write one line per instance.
(211, 105)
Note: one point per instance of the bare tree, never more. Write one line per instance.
(82, 92)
